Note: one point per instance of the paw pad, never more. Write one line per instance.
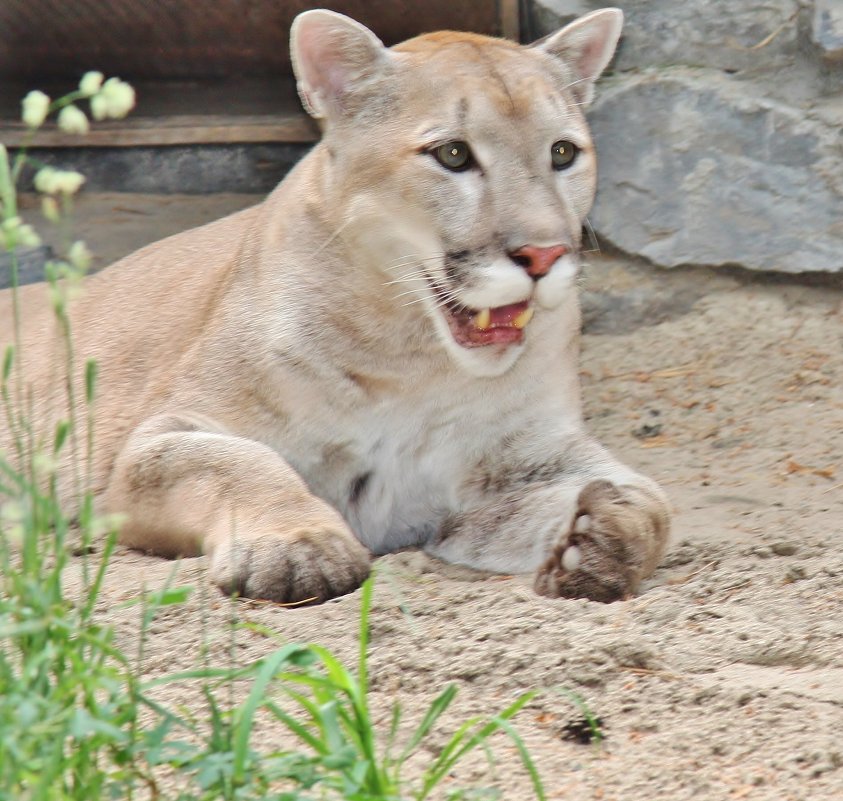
(571, 558)
(582, 524)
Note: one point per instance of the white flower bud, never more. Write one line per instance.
(118, 99)
(51, 181)
(79, 256)
(35, 107)
(90, 83)
(17, 233)
(73, 120)
(11, 512)
(69, 182)
(27, 237)
(44, 180)
(99, 107)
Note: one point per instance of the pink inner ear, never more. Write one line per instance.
(591, 57)
(587, 45)
(318, 51)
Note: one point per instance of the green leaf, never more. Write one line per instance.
(83, 724)
(296, 728)
(526, 759)
(8, 361)
(91, 370)
(433, 713)
(169, 596)
(246, 713)
(62, 430)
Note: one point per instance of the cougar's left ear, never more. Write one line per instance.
(332, 56)
(586, 46)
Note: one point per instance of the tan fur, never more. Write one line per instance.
(278, 389)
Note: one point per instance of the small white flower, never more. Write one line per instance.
(35, 107)
(17, 233)
(69, 182)
(43, 465)
(51, 181)
(99, 107)
(79, 255)
(72, 120)
(106, 524)
(27, 237)
(44, 180)
(11, 512)
(90, 83)
(115, 100)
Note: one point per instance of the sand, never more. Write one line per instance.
(723, 678)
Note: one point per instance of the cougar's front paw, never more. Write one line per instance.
(308, 566)
(599, 556)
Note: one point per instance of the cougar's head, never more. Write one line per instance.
(461, 171)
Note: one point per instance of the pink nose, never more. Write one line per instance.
(537, 261)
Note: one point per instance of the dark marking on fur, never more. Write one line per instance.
(462, 114)
(502, 479)
(358, 487)
(455, 266)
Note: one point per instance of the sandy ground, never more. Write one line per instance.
(723, 679)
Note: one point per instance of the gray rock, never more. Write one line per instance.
(723, 34)
(695, 168)
(827, 30)
(30, 265)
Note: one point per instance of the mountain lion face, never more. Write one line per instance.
(465, 169)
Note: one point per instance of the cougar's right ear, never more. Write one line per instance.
(332, 56)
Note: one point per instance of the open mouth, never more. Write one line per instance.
(474, 328)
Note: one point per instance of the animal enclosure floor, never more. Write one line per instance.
(723, 678)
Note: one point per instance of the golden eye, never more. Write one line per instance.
(563, 154)
(454, 156)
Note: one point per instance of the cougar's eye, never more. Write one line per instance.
(563, 154)
(454, 156)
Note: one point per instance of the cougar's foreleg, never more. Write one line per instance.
(187, 487)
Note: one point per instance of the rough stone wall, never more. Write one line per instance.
(720, 131)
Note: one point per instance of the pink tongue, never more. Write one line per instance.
(504, 315)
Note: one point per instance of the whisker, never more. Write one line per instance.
(409, 260)
(336, 233)
(406, 278)
(409, 292)
(592, 236)
(417, 300)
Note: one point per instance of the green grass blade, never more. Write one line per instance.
(8, 361)
(434, 774)
(435, 710)
(461, 743)
(296, 728)
(246, 713)
(526, 759)
(579, 702)
(363, 657)
(91, 370)
(93, 590)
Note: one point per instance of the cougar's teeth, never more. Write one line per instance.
(522, 319)
(482, 320)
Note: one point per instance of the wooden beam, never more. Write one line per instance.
(510, 18)
(186, 129)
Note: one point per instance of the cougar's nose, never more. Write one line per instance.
(537, 261)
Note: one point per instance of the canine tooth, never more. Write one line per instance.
(482, 319)
(523, 318)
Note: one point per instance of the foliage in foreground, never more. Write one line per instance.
(77, 721)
